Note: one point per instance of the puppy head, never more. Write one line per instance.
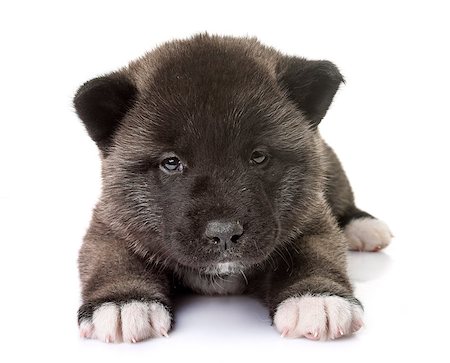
(210, 150)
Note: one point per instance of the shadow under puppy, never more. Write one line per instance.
(216, 179)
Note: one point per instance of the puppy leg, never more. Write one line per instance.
(363, 231)
(314, 298)
(123, 298)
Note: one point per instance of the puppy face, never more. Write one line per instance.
(207, 157)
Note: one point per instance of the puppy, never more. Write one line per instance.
(216, 179)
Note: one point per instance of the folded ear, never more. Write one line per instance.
(101, 104)
(310, 84)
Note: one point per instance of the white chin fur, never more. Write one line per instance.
(226, 267)
(317, 317)
(367, 234)
(130, 323)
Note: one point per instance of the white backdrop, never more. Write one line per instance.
(388, 124)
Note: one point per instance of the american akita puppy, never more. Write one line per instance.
(216, 179)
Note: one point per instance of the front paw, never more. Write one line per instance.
(318, 317)
(130, 322)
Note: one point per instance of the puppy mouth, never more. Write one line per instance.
(235, 260)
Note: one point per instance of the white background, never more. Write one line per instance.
(388, 124)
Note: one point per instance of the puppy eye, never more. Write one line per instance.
(258, 158)
(172, 165)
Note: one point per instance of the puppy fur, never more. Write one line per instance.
(210, 102)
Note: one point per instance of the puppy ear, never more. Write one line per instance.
(310, 84)
(101, 104)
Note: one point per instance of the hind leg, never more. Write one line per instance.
(363, 231)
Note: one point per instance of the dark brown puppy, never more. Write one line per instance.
(215, 178)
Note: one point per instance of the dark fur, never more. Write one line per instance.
(212, 101)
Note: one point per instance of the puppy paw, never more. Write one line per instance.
(318, 317)
(367, 234)
(130, 322)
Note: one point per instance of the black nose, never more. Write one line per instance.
(224, 233)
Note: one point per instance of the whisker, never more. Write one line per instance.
(245, 277)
